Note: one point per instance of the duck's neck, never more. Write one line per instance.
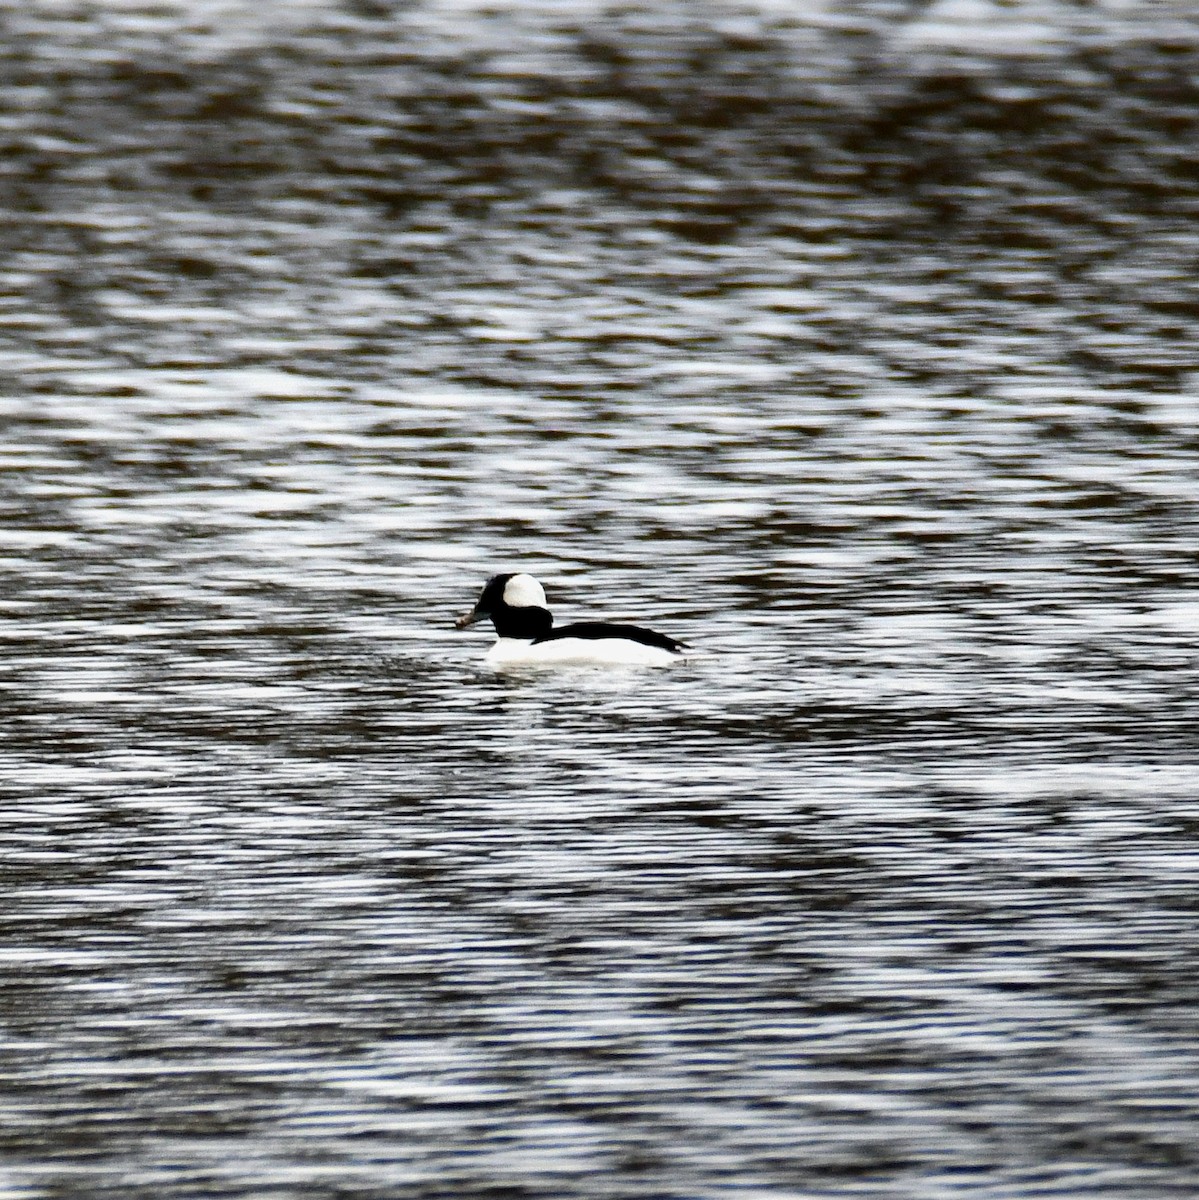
(526, 622)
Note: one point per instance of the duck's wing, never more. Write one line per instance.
(595, 630)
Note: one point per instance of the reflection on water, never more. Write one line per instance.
(855, 345)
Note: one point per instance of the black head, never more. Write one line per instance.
(515, 604)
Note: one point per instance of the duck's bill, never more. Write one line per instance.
(472, 618)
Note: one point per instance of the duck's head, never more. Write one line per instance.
(515, 605)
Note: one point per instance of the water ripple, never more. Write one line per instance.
(855, 346)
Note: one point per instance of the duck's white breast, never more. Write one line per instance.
(612, 652)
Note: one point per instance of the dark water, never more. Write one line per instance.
(857, 345)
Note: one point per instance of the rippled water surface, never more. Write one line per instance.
(854, 344)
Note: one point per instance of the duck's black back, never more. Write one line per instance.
(594, 630)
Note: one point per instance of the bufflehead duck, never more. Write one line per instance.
(515, 603)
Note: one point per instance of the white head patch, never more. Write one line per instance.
(523, 591)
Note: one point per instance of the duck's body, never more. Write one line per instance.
(524, 626)
(596, 642)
